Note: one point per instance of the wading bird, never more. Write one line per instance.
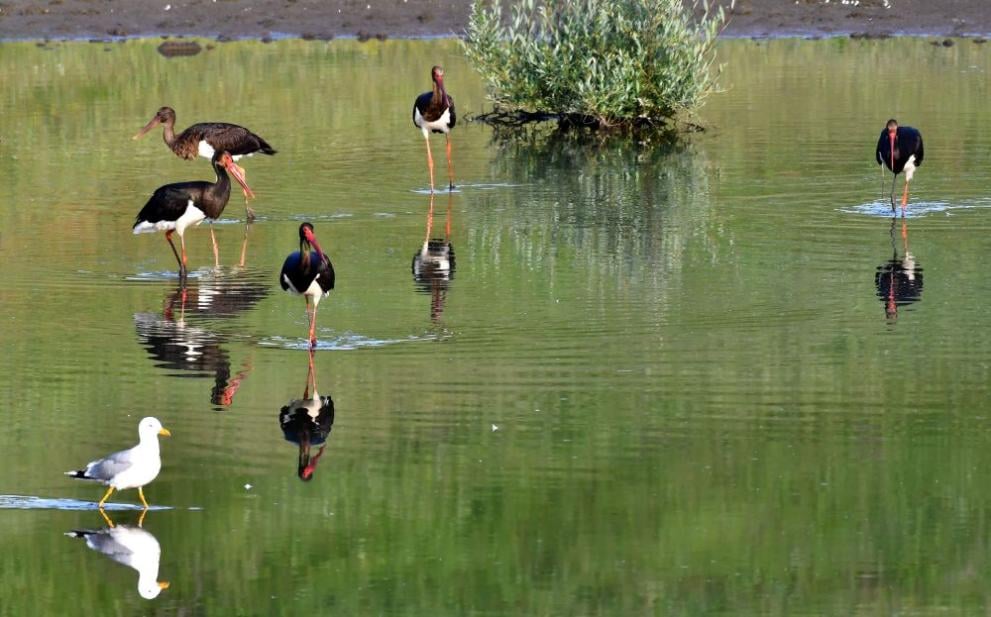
(434, 111)
(133, 468)
(433, 264)
(206, 139)
(899, 148)
(174, 207)
(308, 272)
(132, 546)
(307, 422)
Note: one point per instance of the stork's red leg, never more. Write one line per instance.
(168, 238)
(249, 212)
(313, 327)
(430, 218)
(311, 378)
(216, 249)
(244, 248)
(450, 165)
(182, 244)
(430, 162)
(905, 198)
(447, 224)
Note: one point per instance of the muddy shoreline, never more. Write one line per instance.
(326, 19)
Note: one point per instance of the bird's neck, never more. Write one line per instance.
(149, 442)
(169, 133)
(221, 188)
(440, 94)
(307, 250)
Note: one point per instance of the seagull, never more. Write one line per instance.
(132, 546)
(131, 468)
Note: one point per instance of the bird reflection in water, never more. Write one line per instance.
(898, 280)
(307, 422)
(433, 264)
(130, 545)
(181, 339)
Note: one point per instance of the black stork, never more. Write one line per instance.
(174, 207)
(434, 112)
(899, 148)
(308, 272)
(308, 422)
(433, 264)
(898, 280)
(206, 138)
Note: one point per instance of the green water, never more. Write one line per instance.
(660, 380)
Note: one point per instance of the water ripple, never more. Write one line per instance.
(346, 341)
(30, 502)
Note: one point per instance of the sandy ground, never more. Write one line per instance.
(88, 19)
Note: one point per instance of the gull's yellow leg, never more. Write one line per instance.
(109, 492)
(141, 494)
(141, 519)
(106, 518)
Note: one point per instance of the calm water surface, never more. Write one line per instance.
(709, 379)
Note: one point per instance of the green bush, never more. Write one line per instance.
(604, 62)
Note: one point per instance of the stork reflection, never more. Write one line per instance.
(307, 422)
(132, 546)
(183, 339)
(433, 264)
(898, 280)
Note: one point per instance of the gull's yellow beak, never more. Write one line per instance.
(165, 432)
(163, 585)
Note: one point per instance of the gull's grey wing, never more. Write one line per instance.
(103, 541)
(106, 468)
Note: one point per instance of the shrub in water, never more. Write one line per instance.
(601, 62)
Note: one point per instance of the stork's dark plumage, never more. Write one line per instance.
(899, 148)
(174, 207)
(307, 422)
(434, 112)
(308, 272)
(206, 138)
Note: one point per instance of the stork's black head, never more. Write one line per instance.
(892, 126)
(165, 115)
(223, 158)
(308, 239)
(437, 74)
(306, 233)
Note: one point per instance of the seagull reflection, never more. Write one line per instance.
(433, 264)
(307, 422)
(132, 546)
(898, 280)
(179, 341)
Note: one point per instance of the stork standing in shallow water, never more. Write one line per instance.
(308, 272)
(434, 111)
(899, 148)
(206, 139)
(174, 207)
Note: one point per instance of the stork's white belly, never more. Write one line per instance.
(440, 124)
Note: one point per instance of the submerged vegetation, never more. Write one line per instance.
(603, 63)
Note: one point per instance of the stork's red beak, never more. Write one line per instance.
(891, 139)
(313, 241)
(238, 174)
(152, 124)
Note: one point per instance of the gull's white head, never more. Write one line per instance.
(149, 590)
(150, 427)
